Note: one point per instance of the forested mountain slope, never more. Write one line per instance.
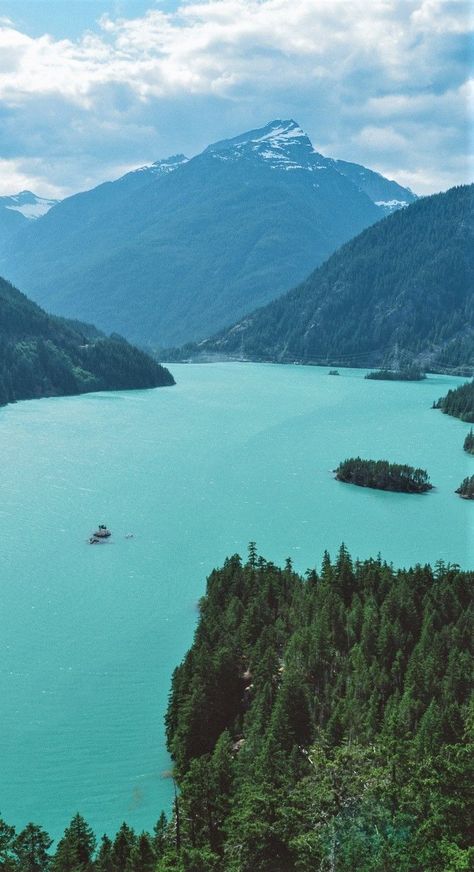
(176, 251)
(325, 723)
(41, 355)
(401, 291)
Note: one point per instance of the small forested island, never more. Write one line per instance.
(43, 356)
(466, 488)
(411, 373)
(458, 402)
(382, 475)
(469, 442)
(317, 723)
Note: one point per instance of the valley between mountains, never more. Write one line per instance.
(175, 251)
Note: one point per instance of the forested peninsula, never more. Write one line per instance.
(382, 475)
(458, 402)
(44, 356)
(469, 442)
(466, 488)
(317, 723)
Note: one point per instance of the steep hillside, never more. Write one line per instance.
(401, 291)
(181, 249)
(45, 356)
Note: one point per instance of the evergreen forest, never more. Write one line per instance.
(459, 402)
(44, 356)
(317, 723)
(382, 475)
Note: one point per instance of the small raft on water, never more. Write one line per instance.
(100, 535)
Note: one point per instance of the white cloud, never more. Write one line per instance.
(356, 73)
(18, 175)
(232, 41)
(443, 16)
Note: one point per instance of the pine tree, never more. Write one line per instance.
(104, 862)
(123, 844)
(31, 848)
(142, 857)
(252, 554)
(159, 835)
(76, 848)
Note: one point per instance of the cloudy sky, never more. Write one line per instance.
(92, 88)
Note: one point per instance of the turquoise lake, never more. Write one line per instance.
(90, 635)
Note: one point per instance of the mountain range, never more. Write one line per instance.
(400, 292)
(176, 251)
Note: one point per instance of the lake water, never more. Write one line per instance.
(90, 635)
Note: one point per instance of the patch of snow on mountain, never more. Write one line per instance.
(392, 204)
(284, 133)
(169, 164)
(272, 155)
(160, 167)
(31, 210)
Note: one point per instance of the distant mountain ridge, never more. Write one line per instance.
(18, 210)
(180, 249)
(383, 192)
(283, 145)
(400, 292)
(41, 355)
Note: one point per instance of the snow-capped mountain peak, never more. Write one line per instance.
(281, 145)
(28, 204)
(280, 132)
(180, 249)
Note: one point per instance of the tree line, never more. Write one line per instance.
(79, 851)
